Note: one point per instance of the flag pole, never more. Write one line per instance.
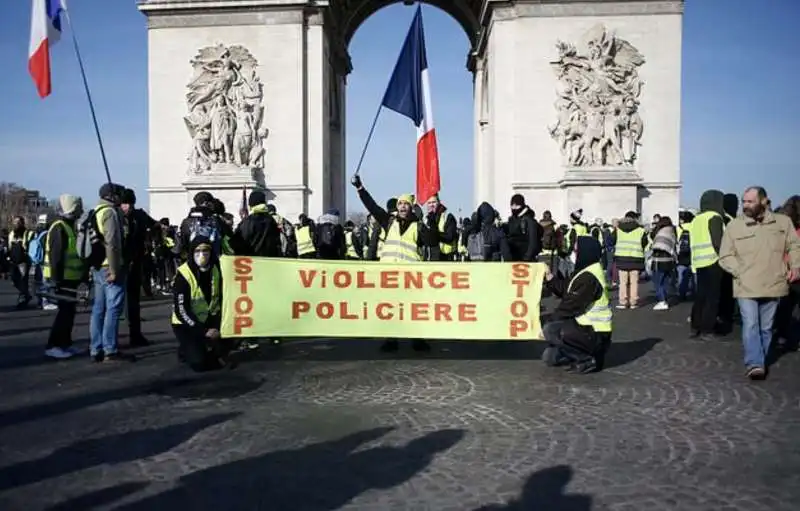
(369, 138)
(88, 94)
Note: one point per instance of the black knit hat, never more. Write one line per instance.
(201, 198)
(517, 200)
(256, 198)
(128, 197)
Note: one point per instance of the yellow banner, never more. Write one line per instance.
(265, 297)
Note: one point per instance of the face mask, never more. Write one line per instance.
(201, 259)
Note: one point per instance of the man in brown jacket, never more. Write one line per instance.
(753, 251)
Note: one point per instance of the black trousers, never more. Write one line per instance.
(784, 315)
(198, 351)
(133, 292)
(727, 304)
(61, 331)
(706, 301)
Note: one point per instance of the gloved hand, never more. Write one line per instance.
(356, 182)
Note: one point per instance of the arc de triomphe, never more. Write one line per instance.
(577, 102)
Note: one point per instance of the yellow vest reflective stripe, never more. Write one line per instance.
(629, 244)
(304, 243)
(580, 229)
(73, 266)
(351, 249)
(445, 248)
(728, 217)
(401, 248)
(381, 239)
(100, 224)
(600, 237)
(200, 307)
(226, 246)
(169, 242)
(25, 239)
(599, 314)
(703, 253)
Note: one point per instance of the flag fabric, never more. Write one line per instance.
(243, 210)
(409, 94)
(45, 32)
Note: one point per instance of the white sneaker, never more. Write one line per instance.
(50, 307)
(661, 306)
(57, 353)
(622, 306)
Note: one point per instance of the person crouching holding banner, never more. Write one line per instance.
(579, 333)
(196, 309)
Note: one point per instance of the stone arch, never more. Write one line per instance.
(356, 12)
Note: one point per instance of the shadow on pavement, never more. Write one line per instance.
(129, 446)
(319, 477)
(622, 353)
(545, 490)
(99, 498)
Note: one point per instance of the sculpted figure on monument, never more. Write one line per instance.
(598, 89)
(225, 117)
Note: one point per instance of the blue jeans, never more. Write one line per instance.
(661, 282)
(758, 315)
(686, 280)
(106, 310)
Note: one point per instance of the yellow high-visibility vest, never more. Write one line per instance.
(73, 266)
(401, 248)
(200, 307)
(599, 314)
(703, 253)
(445, 248)
(25, 239)
(351, 249)
(305, 245)
(101, 209)
(629, 244)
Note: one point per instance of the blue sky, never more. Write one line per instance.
(741, 113)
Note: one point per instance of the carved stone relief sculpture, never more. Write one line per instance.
(598, 123)
(226, 113)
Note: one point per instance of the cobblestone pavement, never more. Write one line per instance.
(672, 424)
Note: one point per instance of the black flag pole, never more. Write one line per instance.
(88, 94)
(369, 138)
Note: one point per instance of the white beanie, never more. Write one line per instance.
(70, 203)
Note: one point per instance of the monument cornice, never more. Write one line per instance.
(210, 13)
(508, 10)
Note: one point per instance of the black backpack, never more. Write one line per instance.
(684, 245)
(326, 235)
(89, 241)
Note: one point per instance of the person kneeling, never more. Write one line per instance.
(579, 333)
(197, 297)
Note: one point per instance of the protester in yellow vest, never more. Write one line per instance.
(305, 238)
(63, 270)
(686, 280)
(579, 332)
(18, 240)
(576, 228)
(375, 233)
(705, 239)
(196, 310)
(258, 234)
(442, 230)
(630, 240)
(404, 239)
(352, 242)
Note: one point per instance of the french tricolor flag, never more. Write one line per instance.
(409, 94)
(45, 32)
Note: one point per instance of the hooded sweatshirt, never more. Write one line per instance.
(258, 234)
(182, 292)
(714, 200)
(495, 244)
(629, 263)
(338, 247)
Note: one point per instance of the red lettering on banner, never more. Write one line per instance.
(460, 280)
(362, 282)
(344, 311)
(342, 279)
(516, 327)
(307, 277)
(419, 311)
(520, 284)
(299, 308)
(389, 280)
(325, 310)
(519, 309)
(467, 312)
(380, 311)
(243, 305)
(442, 312)
(520, 279)
(436, 280)
(520, 270)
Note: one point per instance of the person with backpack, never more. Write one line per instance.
(257, 234)
(19, 239)
(305, 233)
(330, 237)
(36, 256)
(551, 242)
(108, 275)
(288, 238)
(64, 271)
(524, 232)
(201, 221)
(486, 242)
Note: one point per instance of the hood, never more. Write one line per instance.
(485, 214)
(327, 218)
(197, 241)
(628, 225)
(730, 203)
(588, 252)
(547, 223)
(712, 200)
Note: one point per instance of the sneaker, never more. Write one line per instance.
(97, 357)
(57, 353)
(120, 357)
(50, 307)
(622, 306)
(661, 306)
(756, 373)
(632, 306)
(75, 350)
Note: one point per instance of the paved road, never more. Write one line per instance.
(671, 425)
